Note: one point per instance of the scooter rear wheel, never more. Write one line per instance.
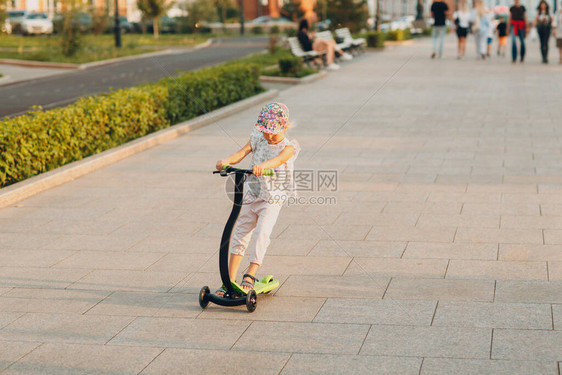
(251, 300)
(204, 297)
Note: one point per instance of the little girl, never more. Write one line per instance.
(263, 195)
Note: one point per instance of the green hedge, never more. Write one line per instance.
(43, 140)
(375, 39)
(399, 35)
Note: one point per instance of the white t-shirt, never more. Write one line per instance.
(464, 18)
(281, 185)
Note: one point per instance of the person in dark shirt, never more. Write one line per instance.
(309, 43)
(518, 29)
(502, 36)
(439, 10)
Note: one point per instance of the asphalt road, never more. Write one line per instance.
(63, 89)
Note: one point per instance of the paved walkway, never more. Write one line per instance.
(443, 254)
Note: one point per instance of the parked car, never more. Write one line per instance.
(36, 23)
(401, 23)
(14, 17)
(268, 19)
(82, 21)
(124, 24)
(6, 27)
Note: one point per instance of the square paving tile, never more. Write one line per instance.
(32, 258)
(530, 252)
(109, 260)
(29, 277)
(376, 311)
(11, 351)
(493, 315)
(292, 265)
(416, 341)
(491, 269)
(176, 244)
(482, 251)
(521, 236)
(195, 361)
(172, 305)
(357, 286)
(555, 270)
(401, 233)
(129, 281)
(441, 289)
(351, 364)
(270, 308)
(336, 232)
(180, 262)
(533, 291)
(392, 267)
(69, 359)
(181, 333)
(95, 242)
(303, 337)
(532, 345)
(442, 366)
(8, 317)
(377, 249)
(79, 329)
(50, 300)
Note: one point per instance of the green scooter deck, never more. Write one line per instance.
(264, 285)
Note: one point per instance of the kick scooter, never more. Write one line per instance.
(234, 294)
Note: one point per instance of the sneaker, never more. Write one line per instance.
(433, 55)
(346, 56)
(333, 66)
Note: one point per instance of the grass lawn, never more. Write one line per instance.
(264, 60)
(94, 47)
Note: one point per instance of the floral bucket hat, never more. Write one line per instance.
(273, 118)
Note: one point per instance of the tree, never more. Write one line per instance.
(154, 9)
(292, 10)
(200, 10)
(3, 12)
(352, 14)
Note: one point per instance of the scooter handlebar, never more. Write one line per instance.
(226, 169)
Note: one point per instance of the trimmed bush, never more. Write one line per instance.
(290, 65)
(375, 39)
(44, 140)
(399, 35)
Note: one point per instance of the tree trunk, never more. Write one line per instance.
(155, 27)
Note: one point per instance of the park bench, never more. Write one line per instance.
(308, 57)
(357, 44)
(327, 36)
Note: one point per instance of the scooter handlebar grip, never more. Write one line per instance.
(269, 172)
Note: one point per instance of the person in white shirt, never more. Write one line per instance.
(491, 31)
(462, 23)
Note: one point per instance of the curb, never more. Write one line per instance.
(94, 64)
(37, 184)
(4, 79)
(294, 81)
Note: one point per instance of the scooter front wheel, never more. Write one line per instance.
(204, 297)
(251, 300)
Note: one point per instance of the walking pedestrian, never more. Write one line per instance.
(558, 32)
(480, 28)
(518, 29)
(462, 23)
(543, 23)
(502, 35)
(491, 31)
(439, 10)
